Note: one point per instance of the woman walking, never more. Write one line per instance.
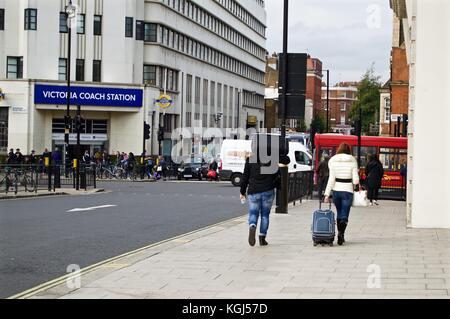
(374, 176)
(343, 176)
(261, 180)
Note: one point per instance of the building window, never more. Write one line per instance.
(63, 28)
(97, 25)
(80, 23)
(3, 129)
(197, 90)
(150, 74)
(2, 19)
(188, 119)
(14, 68)
(139, 30)
(168, 119)
(128, 27)
(189, 88)
(387, 109)
(30, 19)
(80, 70)
(150, 32)
(62, 69)
(97, 71)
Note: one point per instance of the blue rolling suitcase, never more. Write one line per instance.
(322, 227)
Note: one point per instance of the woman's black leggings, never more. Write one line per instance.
(372, 193)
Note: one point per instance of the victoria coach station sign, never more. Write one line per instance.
(79, 95)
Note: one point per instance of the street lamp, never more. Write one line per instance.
(71, 14)
(238, 109)
(328, 99)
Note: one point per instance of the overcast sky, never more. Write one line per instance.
(346, 35)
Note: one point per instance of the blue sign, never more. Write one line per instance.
(96, 96)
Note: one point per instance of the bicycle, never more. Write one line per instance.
(6, 181)
(113, 172)
(26, 179)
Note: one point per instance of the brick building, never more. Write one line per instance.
(313, 92)
(399, 82)
(342, 96)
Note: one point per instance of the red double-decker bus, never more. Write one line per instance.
(392, 152)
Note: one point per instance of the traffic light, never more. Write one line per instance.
(146, 131)
(78, 123)
(160, 133)
(67, 122)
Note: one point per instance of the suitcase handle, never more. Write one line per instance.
(320, 203)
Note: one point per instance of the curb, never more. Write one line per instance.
(125, 181)
(57, 193)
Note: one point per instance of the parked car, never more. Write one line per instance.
(195, 170)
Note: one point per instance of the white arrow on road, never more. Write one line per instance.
(89, 208)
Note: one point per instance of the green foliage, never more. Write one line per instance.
(368, 100)
(301, 126)
(319, 123)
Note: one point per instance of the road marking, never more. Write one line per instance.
(89, 208)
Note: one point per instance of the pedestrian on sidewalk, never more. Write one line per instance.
(261, 192)
(342, 180)
(323, 173)
(374, 175)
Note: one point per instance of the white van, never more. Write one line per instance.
(233, 154)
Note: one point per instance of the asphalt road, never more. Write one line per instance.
(39, 238)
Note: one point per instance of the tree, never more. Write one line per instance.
(368, 100)
(318, 123)
(301, 126)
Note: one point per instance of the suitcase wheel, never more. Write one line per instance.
(315, 244)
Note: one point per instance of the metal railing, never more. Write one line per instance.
(31, 178)
(137, 171)
(300, 186)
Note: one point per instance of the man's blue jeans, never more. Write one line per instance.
(260, 204)
(343, 202)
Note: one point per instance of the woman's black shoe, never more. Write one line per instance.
(262, 241)
(341, 239)
(251, 235)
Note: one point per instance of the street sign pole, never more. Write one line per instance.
(282, 208)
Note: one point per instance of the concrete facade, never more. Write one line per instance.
(208, 56)
(385, 110)
(427, 34)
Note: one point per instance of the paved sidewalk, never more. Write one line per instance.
(58, 191)
(217, 262)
